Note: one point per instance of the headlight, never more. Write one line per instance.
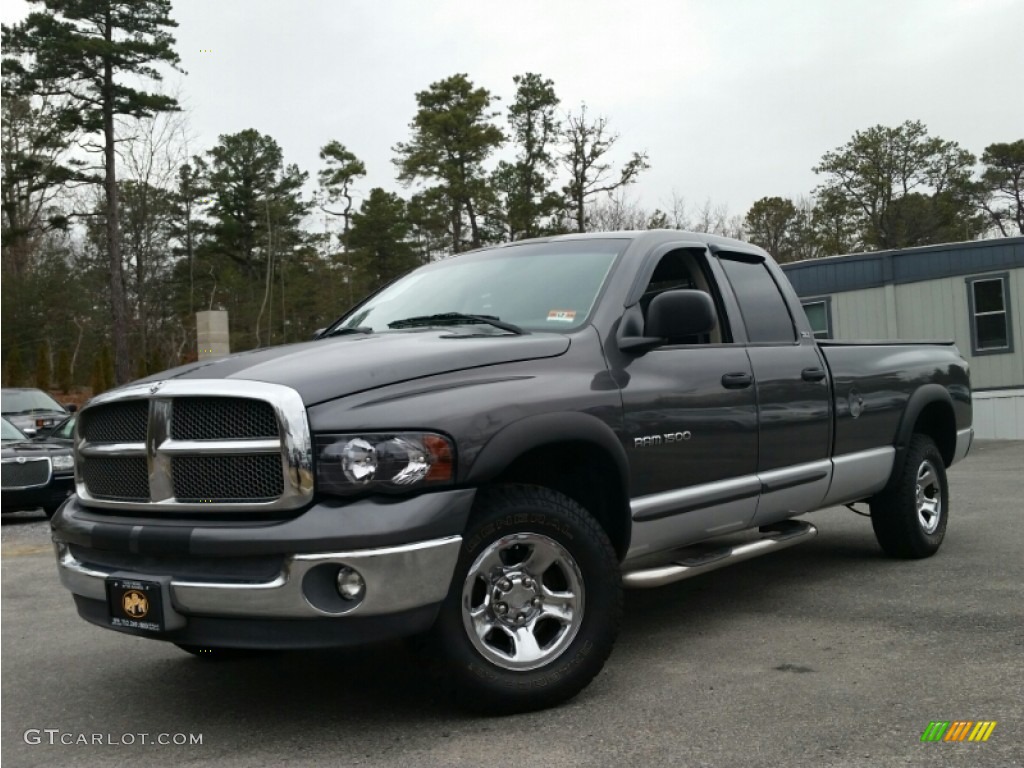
(63, 463)
(389, 463)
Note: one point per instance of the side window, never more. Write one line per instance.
(686, 270)
(819, 316)
(989, 301)
(761, 304)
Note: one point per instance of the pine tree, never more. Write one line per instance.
(64, 382)
(91, 54)
(14, 371)
(43, 370)
(452, 137)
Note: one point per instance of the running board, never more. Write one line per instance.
(782, 535)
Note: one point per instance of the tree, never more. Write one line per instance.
(92, 53)
(379, 239)
(14, 371)
(44, 374)
(1003, 183)
(341, 169)
(525, 184)
(452, 137)
(590, 174)
(255, 209)
(902, 186)
(770, 223)
(64, 379)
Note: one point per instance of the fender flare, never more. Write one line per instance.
(921, 398)
(543, 429)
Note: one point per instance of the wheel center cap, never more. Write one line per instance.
(519, 594)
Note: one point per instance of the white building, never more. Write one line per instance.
(968, 292)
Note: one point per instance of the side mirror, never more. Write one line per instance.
(70, 407)
(676, 314)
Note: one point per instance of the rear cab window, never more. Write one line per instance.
(762, 305)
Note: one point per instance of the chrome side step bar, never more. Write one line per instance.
(781, 535)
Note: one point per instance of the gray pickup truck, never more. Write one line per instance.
(488, 450)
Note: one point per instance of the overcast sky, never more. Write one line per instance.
(732, 99)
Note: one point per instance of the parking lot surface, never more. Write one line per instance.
(827, 654)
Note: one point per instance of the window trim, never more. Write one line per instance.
(829, 325)
(972, 316)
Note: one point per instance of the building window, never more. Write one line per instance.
(988, 298)
(819, 315)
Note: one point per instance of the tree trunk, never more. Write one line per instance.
(119, 315)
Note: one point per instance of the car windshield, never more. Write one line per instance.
(28, 400)
(11, 432)
(541, 286)
(65, 430)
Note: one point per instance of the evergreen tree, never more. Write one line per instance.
(64, 381)
(379, 239)
(452, 137)
(92, 54)
(44, 373)
(14, 371)
(525, 184)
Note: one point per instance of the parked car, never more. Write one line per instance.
(491, 448)
(32, 409)
(36, 473)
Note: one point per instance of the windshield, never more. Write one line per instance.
(542, 287)
(11, 432)
(28, 400)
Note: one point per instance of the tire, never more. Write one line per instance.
(909, 517)
(535, 603)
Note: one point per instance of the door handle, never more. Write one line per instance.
(812, 374)
(736, 380)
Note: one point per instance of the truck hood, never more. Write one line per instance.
(329, 368)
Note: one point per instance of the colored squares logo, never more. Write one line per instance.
(958, 730)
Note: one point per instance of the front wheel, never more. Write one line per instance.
(535, 605)
(909, 517)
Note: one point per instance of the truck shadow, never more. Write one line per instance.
(383, 685)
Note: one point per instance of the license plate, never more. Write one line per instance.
(135, 604)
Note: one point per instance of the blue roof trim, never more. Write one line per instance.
(837, 274)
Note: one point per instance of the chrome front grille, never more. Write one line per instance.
(187, 445)
(25, 473)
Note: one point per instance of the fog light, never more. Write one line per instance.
(350, 583)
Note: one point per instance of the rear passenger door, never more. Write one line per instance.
(791, 383)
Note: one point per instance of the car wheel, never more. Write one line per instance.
(535, 604)
(909, 517)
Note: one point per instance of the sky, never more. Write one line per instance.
(732, 100)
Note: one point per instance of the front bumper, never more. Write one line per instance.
(47, 496)
(273, 584)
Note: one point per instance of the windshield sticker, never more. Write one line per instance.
(562, 316)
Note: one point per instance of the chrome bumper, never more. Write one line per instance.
(397, 579)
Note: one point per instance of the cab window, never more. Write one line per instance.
(685, 269)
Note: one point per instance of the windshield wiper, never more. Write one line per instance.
(347, 331)
(455, 318)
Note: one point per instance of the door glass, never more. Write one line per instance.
(761, 304)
